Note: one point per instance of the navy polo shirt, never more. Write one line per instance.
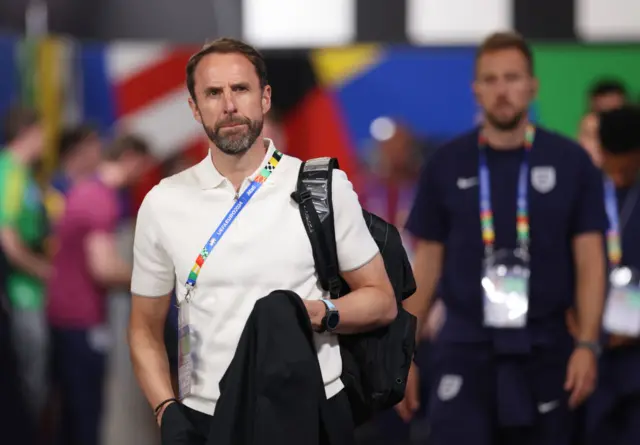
(565, 199)
(621, 366)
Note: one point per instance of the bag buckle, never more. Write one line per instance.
(335, 285)
(302, 196)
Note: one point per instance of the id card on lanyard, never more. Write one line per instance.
(185, 359)
(505, 278)
(622, 308)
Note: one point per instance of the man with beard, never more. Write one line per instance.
(509, 220)
(260, 246)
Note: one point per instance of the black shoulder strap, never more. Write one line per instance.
(313, 195)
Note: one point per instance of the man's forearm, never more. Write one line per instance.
(111, 271)
(419, 304)
(365, 309)
(360, 311)
(427, 269)
(151, 365)
(590, 285)
(590, 291)
(118, 273)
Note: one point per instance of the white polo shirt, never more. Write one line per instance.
(266, 248)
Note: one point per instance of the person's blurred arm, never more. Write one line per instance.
(589, 225)
(427, 265)
(106, 265)
(152, 282)
(427, 223)
(17, 252)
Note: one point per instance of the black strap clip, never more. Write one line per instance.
(335, 285)
(300, 197)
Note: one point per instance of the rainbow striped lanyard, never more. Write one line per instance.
(617, 221)
(486, 212)
(231, 215)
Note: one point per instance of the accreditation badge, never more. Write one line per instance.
(185, 360)
(622, 308)
(505, 286)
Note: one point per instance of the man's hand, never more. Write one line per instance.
(161, 412)
(316, 310)
(581, 376)
(411, 402)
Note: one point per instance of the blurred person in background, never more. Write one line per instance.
(274, 129)
(613, 412)
(87, 265)
(79, 151)
(588, 136)
(392, 174)
(24, 266)
(607, 94)
(388, 187)
(508, 209)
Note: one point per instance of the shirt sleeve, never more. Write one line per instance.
(428, 217)
(589, 214)
(13, 191)
(354, 243)
(153, 271)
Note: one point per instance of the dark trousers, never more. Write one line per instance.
(338, 430)
(16, 425)
(79, 374)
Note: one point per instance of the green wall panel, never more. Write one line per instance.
(566, 73)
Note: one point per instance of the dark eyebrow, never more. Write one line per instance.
(240, 85)
(217, 90)
(210, 90)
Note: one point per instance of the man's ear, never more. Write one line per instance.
(266, 99)
(195, 110)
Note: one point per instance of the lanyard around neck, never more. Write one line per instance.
(231, 215)
(617, 221)
(486, 210)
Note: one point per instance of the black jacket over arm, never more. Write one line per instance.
(272, 392)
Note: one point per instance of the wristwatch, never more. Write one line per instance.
(591, 346)
(331, 317)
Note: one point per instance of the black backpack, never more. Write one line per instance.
(375, 364)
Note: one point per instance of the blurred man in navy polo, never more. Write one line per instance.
(613, 413)
(509, 220)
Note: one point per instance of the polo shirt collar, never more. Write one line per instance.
(209, 177)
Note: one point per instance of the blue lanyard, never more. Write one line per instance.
(611, 204)
(231, 215)
(614, 248)
(617, 219)
(486, 211)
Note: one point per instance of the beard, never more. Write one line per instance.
(505, 124)
(237, 141)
